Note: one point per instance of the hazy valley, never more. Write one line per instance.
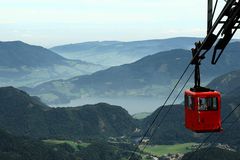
(150, 78)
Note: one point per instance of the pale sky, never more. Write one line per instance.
(53, 22)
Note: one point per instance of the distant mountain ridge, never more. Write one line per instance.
(167, 44)
(112, 53)
(18, 53)
(226, 82)
(24, 64)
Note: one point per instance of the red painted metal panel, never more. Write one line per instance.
(204, 115)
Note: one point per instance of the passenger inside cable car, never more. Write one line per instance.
(207, 104)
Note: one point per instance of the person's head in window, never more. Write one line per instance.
(202, 104)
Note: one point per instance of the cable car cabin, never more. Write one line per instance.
(203, 111)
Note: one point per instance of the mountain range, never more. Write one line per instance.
(112, 53)
(151, 76)
(24, 64)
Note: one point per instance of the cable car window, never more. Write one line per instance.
(215, 103)
(207, 104)
(189, 102)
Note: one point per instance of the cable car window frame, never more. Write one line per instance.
(209, 104)
(189, 102)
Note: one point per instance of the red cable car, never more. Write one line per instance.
(203, 105)
(203, 110)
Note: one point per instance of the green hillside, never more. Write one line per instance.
(25, 115)
(19, 148)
